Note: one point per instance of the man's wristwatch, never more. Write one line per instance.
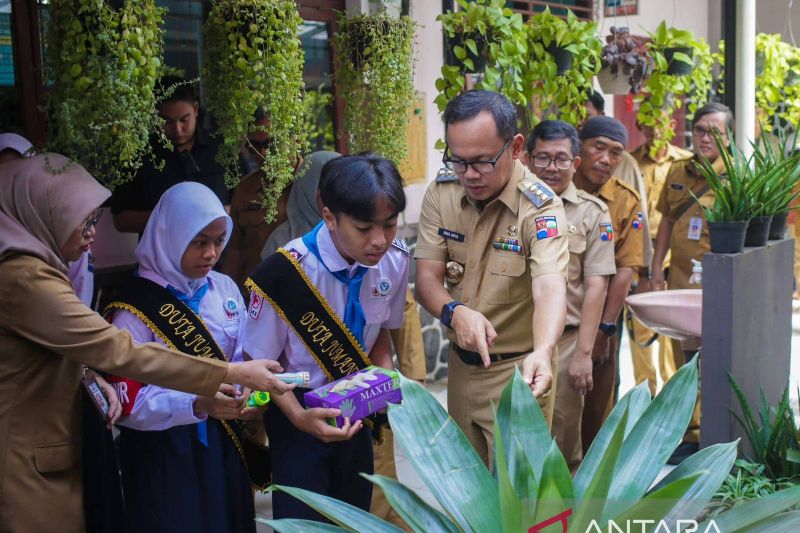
(609, 328)
(447, 312)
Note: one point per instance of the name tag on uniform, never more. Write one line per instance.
(452, 235)
(695, 228)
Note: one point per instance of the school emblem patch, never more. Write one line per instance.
(256, 303)
(546, 227)
(606, 231)
(231, 308)
(638, 220)
(383, 288)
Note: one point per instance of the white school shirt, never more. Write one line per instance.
(81, 274)
(156, 408)
(267, 336)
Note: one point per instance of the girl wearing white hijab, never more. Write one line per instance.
(47, 206)
(180, 469)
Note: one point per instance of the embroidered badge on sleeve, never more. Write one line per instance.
(256, 303)
(638, 220)
(546, 227)
(606, 231)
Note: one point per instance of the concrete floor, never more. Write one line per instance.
(408, 477)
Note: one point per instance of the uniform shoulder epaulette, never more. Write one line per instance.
(401, 245)
(592, 198)
(537, 192)
(445, 176)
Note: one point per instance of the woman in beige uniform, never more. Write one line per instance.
(48, 209)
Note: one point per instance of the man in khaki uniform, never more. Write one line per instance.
(683, 230)
(602, 145)
(497, 234)
(552, 150)
(654, 171)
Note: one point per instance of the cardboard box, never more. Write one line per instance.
(358, 395)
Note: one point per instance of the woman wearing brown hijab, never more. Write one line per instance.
(47, 216)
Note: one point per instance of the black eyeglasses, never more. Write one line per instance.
(700, 132)
(481, 167)
(94, 218)
(561, 163)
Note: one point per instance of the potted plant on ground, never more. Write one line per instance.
(375, 69)
(104, 64)
(564, 57)
(254, 59)
(489, 43)
(626, 65)
(532, 486)
(682, 69)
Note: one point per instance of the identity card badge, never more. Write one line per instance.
(695, 228)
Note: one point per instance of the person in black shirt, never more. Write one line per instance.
(191, 159)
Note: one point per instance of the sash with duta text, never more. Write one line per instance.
(281, 281)
(181, 329)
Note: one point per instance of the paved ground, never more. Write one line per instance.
(407, 475)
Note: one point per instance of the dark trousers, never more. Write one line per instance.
(301, 460)
(598, 402)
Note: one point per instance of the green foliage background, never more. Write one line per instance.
(254, 59)
(104, 64)
(375, 73)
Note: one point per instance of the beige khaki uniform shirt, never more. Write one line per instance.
(628, 220)
(655, 174)
(497, 283)
(591, 245)
(682, 178)
(629, 173)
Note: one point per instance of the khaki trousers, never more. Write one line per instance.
(471, 391)
(693, 430)
(643, 367)
(568, 405)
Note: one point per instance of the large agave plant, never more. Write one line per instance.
(532, 489)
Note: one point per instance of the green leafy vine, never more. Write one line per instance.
(375, 69)
(254, 59)
(104, 64)
(561, 96)
(663, 93)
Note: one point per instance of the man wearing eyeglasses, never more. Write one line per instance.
(496, 234)
(683, 229)
(552, 153)
(250, 230)
(603, 142)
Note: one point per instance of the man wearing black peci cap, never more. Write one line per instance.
(603, 142)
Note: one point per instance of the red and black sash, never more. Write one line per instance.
(182, 330)
(282, 281)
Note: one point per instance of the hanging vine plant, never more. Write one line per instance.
(375, 69)
(254, 59)
(777, 80)
(561, 92)
(103, 64)
(489, 43)
(664, 91)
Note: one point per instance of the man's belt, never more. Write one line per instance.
(474, 358)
